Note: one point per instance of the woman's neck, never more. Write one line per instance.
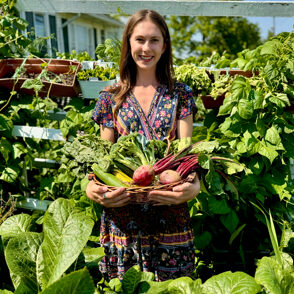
(146, 79)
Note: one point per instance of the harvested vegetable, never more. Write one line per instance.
(107, 178)
(169, 176)
(144, 175)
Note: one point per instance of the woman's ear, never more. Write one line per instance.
(163, 48)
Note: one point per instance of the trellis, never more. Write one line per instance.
(170, 7)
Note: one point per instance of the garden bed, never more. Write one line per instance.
(58, 76)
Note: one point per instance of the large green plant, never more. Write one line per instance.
(12, 42)
(37, 260)
(256, 127)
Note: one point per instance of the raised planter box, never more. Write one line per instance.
(65, 69)
(91, 89)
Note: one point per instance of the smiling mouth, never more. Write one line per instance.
(146, 58)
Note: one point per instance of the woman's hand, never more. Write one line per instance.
(99, 194)
(179, 194)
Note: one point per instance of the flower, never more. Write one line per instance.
(130, 114)
(157, 123)
(172, 262)
(162, 113)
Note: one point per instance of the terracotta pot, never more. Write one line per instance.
(33, 65)
(290, 108)
(211, 103)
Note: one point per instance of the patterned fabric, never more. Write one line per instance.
(160, 123)
(158, 238)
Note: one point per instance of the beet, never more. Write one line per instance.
(169, 176)
(144, 175)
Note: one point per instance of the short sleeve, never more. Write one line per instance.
(186, 103)
(102, 113)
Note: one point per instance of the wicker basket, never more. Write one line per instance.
(139, 193)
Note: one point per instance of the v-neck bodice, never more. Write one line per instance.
(152, 104)
(161, 120)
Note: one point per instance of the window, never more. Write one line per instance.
(40, 28)
(82, 38)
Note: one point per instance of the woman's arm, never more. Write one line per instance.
(107, 133)
(185, 127)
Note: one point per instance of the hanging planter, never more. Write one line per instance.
(91, 88)
(58, 76)
(93, 80)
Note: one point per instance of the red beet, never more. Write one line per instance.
(144, 175)
(169, 176)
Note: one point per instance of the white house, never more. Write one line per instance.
(73, 31)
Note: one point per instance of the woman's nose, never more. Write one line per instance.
(146, 46)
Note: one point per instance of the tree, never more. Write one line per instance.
(216, 34)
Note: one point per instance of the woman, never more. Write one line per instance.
(158, 237)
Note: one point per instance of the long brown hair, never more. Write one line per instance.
(128, 69)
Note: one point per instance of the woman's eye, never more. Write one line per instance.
(140, 40)
(155, 40)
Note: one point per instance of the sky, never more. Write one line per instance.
(280, 24)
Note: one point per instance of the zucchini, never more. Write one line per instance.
(107, 178)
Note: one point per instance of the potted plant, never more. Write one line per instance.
(92, 81)
(55, 77)
(209, 84)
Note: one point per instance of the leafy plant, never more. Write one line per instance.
(100, 72)
(109, 51)
(74, 55)
(37, 260)
(204, 81)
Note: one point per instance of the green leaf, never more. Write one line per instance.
(227, 106)
(268, 152)
(10, 174)
(233, 283)
(66, 230)
(93, 255)
(206, 147)
(16, 224)
(272, 47)
(218, 206)
(230, 221)
(21, 255)
(240, 88)
(133, 277)
(202, 240)
(78, 282)
(6, 292)
(5, 148)
(245, 108)
(184, 285)
(256, 165)
(231, 167)
(204, 160)
(19, 150)
(152, 287)
(272, 136)
(5, 124)
(272, 277)
(236, 233)
(35, 84)
(258, 101)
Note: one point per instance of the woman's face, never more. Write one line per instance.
(147, 45)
